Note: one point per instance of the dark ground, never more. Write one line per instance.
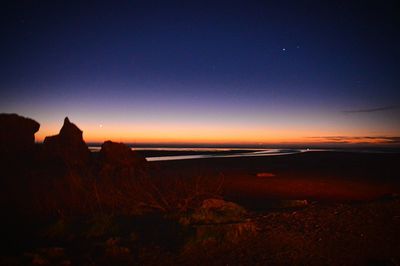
(322, 176)
(352, 217)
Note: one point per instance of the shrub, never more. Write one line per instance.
(74, 194)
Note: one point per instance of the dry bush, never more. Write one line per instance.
(77, 195)
(148, 193)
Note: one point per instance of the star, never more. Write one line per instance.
(283, 49)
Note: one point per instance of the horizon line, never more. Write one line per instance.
(338, 144)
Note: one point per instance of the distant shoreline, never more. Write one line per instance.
(342, 146)
(186, 153)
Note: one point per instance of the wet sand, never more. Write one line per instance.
(322, 176)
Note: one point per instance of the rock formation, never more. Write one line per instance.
(217, 220)
(17, 134)
(118, 160)
(215, 211)
(68, 146)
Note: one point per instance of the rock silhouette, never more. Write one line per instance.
(17, 134)
(68, 146)
(118, 160)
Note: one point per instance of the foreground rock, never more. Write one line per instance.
(118, 160)
(68, 146)
(218, 221)
(17, 134)
(217, 211)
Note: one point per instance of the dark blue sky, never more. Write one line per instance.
(204, 70)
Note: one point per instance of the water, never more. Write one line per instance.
(212, 152)
(204, 152)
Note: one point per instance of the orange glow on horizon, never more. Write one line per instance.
(209, 135)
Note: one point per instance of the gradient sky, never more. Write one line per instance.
(205, 72)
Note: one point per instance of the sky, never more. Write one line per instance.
(240, 72)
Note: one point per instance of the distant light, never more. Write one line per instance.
(100, 125)
(283, 49)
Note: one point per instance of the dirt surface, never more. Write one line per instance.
(319, 234)
(347, 213)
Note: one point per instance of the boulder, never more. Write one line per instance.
(216, 211)
(118, 160)
(119, 154)
(68, 146)
(17, 134)
(218, 221)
